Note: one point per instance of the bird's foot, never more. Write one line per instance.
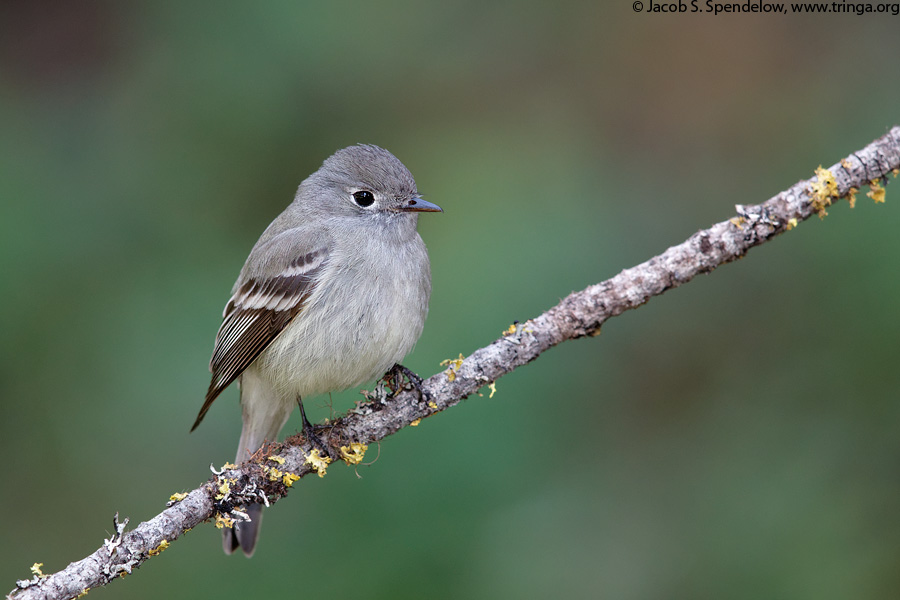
(393, 380)
(309, 431)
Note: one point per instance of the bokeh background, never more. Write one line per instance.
(736, 438)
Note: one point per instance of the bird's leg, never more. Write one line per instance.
(394, 381)
(309, 431)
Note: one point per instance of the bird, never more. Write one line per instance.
(333, 294)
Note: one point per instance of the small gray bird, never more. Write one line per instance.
(333, 294)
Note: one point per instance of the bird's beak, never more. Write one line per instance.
(419, 205)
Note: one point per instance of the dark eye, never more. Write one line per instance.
(364, 198)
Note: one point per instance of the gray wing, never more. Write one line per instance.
(259, 310)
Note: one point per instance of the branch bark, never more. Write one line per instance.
(267, 476)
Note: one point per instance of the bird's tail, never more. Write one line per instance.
(265, 413)
(244, 533)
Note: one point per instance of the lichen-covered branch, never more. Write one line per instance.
(272, 470)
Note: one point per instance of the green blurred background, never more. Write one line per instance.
(735, 438)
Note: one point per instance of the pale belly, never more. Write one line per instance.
(352, 338)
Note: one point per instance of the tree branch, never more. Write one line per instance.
(267, 476)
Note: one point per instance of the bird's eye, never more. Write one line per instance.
(364, 198)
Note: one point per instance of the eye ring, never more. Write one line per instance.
(364, 198)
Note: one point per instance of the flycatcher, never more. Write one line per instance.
(333, 294)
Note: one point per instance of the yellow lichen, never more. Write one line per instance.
(415, 423)
(277, 459)
(826, 178)
(846, 164)
(224, 488)
(876, 192)
(273, 473)
(737, 222)
(510, 330)
(454, 364)
(432, 405)
(83, 593)
(851, 196)
(354, 453)
(162, 546)
(493, 388)
(36, 570)
(822, 190)
(791, 223)
(224, 521)
(177, 497)
(228, 465)
(318, 462)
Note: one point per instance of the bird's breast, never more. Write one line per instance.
(366, 313)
